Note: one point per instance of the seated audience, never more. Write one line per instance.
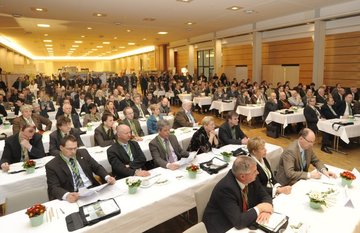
(238, 200)
(63, 128)
(140, 110)
(22, 146)
(126, 102)
(271, 105)
(230, 132)
(345, 107)
(92, 116)
(85, 108)
(243, 99)
(46, 105)
(296, 159)
(104, 133)
(312, 115)
(110, 109)
(219, 94)
(295, 99)
(320, 97)
(165, 107)
(283, 103)
(71, 170)
(184, 117)
(125, 156)
(149, 100)
(74, 117)
(257, 150)
(134, 124)
(60, 111)
(204, 138)
(153, 119)
(165, 148)
(29, 118)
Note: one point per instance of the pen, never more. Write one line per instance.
(62, 211)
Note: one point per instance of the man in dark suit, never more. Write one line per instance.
(238, 200)
(126, 102)
(230, 132)
(19, 84)
(320, 96)
(63, 125)
(184, 117)
(104, 133)
(345, 107)
(312, 114)
(271, 105)
(134, 124)
(22, 146)
(165, 148)
(327, 110)
(165, 107)
(29, 118)
(232, 92)
(296, 159)
(71, 170)
(140, 110)
(125, 156)
(60, 111)
(74, 117)
(354, 92)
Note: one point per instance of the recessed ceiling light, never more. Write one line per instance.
(106, 42)
(144, 38)
(46, 34)
(38, 9)
(190, 23)
(72, 49)
(47, 41)
(249, 11)
(185, 1)
(115, 37)
(93, 49)
(42, 25)
(82, 36)
(131, 43)
(99, 14)
(99, 46)
(162, 33)
(128, 30)
(149, 19)
(78, 41)
(75, 46)
(89, 28)
(48, 45)
(49, 49)
(121, 47)
(234, 8)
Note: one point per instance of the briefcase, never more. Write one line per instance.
(272, 130)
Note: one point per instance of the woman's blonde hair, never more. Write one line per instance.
(206, 120)
(255, 144)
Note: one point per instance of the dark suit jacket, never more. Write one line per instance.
(55, 138)
(158, 152)
(320, 99)
(137, 126)
(181, 119)
(38, 120)
(120, 161)
(270, 106)
(225, 135)
(137, 111)
(60, 112)
(327, 113)
(263, 179)
(311, 118)
(224, 209)
(289, 171)
(3, 110)
(102, 138)
(200, 141)
(59, 177)
(125, 103)
(340, 108)
(283, 104)
(12, 149)
(100, 102)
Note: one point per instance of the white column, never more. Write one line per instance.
(257, 57)
(319, 52)
(171, 60)
(218, 57)
(191, 60)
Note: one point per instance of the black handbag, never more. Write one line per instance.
(214, 165)
(272, 130)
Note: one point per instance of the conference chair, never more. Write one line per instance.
(202, 197)
(198, 228)
(25, 199)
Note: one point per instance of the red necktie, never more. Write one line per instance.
(244, 193)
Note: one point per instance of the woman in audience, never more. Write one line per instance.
(153, 119)
(46, 105)
(205, 138)
(99, 98)
(110, 108)
(92, 116)
(257, 150)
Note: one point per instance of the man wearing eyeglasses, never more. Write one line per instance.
(296, 159)
(72, 170)
(22, 146)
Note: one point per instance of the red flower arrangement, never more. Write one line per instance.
(347, 175)
(35, 210)
(29, 164)
(193, 168)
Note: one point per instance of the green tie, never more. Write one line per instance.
(133, 128)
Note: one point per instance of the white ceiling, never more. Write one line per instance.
(69, 19)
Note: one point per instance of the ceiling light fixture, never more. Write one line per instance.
(144, 38)
(75, 46)
(42, 25)
(99, 46)
(131, 43)
(115, 37)
(249, 11)
(47, 41)
(234, 8)
(82, 36)
(78, 41)
(46, 34)
(99, 14)
(48, 45)
(121, 47)
(106, 42)
(72, 49)
(128, 30)
(162, 33)
(190, 23)
(89, 28)
(94, 49)
(185, 1)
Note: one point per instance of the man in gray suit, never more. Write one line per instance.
(296, 159)
(165, 148)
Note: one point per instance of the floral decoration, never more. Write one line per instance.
(29, 164)
(347, 175)
(193, 168)
(35, 210)
(133, 181)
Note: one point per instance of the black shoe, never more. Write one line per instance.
(326, 150)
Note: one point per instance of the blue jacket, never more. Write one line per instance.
(152, 124)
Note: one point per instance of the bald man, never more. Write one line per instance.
(125, 155)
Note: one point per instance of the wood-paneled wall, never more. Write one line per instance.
(237, 55)
(295, 51)
(342, 59)
(182, 58)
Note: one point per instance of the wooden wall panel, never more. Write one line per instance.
(238, 55)
(342, 59)
(295, 51)
(182, 59)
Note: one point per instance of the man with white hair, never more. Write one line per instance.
(75, 121)
(184, 117)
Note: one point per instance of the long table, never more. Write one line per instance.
(335, 218)
(141, 211)
(250, 111)
(223, 106)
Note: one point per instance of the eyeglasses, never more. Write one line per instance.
(308, 141)
(70, 148)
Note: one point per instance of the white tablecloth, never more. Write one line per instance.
(344, 132)
(159, 93)
(250, 111)
(223, 106)
(183, 97)
(336, 218)
(286, 119)
(169, 94)
(202, 100)
(176, 197)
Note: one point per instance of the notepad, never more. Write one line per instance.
(276, 222)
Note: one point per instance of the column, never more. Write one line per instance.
(257, 57)
(172, 60)
(191, 60)
(218, 57)
(319, 52)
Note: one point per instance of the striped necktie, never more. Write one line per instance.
(78, 181)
